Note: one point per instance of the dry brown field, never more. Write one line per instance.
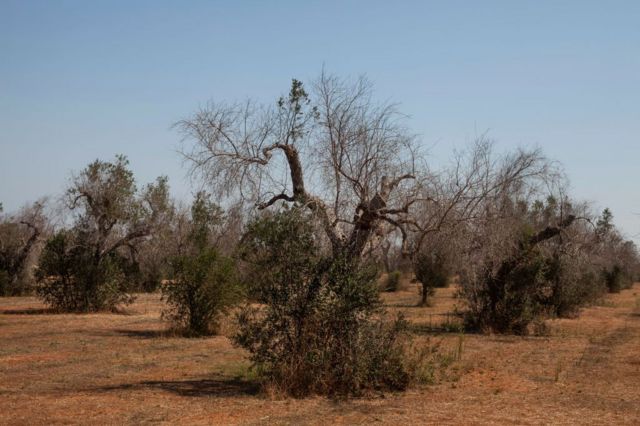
(125, 369)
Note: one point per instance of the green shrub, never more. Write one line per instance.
(506, 298)
(72, 280)
(432, 271)
(205, 285)
(203, 289)
(320, 328)
(530, 286)
(616, 279)
(573, 283)
(20, 238)
(541, 262)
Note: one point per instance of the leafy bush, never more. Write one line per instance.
(70, 280)
(526, 287)
(538, 261)
(321, 328)
(620, 260)
(616, 279)
(432, 271)
(204, 284)
(203, 288)
(11, 247)
(505, 298)
(574, 282)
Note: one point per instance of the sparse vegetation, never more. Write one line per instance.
(205, 283)
(99, 357)
(198, 229)
(316, 195)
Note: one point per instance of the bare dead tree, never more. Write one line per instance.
(474, 188)
(339, 154)
(460, 210)
(353, 163)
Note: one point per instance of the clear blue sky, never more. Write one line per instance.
(81, 80)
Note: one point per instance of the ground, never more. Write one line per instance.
(124, 369)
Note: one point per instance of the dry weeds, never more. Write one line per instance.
(124, 368)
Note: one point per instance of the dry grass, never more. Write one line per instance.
(123, 368)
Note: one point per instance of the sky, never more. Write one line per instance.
(81, 80)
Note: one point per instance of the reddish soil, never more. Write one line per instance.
(124, 369)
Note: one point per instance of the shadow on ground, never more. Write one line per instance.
(221, 387)
(29, 311)
(144, 334)
(402, 305)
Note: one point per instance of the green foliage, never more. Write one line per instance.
(206, 216)
(432, 270)
(541, 262)
(203, 289)
(104, 191)
(573, 282)
(204, 284)
(620, 260)
(71, 280)
(616, 279)
(532, 284)
(604, 224)
(320, 328)
(149, 264)
(296, 105)
(89, 266)
(509, 298)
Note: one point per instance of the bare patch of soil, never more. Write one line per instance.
(127, 369)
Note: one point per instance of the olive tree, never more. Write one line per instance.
(334, 151)
(351, 163)
(433, 265)
(534, 260)
(346, 160)
(20, 238)
(319, 327)
(110, 217)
